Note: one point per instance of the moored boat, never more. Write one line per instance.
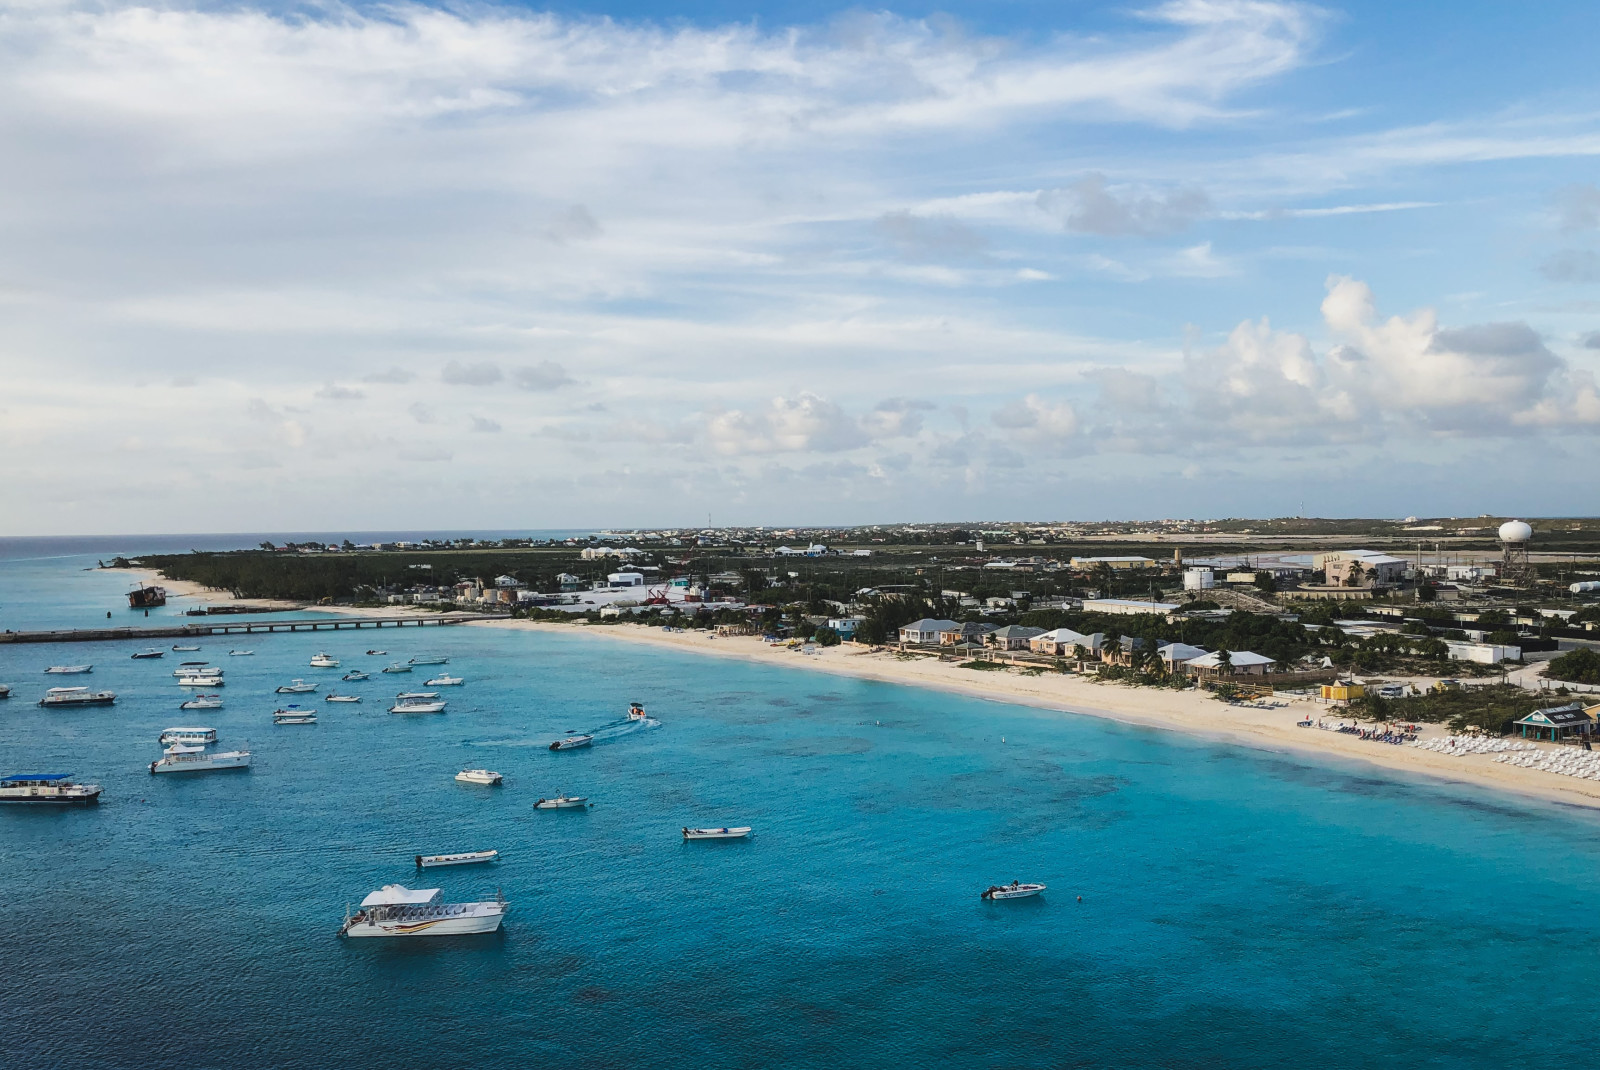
(196, 668)
(445, 681)
(341, 698)
(68, 670)
(143, 654)
(5, 690)
(418, 707)
(416, 696)
(1014, 890)
(202, 702)
(379, 653)
(147, 596)
(572, 742)
(479, 776)
(297, 687)
(356, 674)
(186, 648)
(294, 715)
(240, 653)
(396, 667)
(77, 696)
(193, 737)
(201, 680)
(324, 661)
(429, 659)
(55, 788)
(562, 802)
(739, 833)
(180, 758)
(461, 858)
(395, 910)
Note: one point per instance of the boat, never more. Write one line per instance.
(324, 661)
(341, 698)
(717, 834)
(572, 743)
(395, 910)
(417, 696)
(298, 687)
(55, 788)
(463, 858)
(147, 596)
(240, 653)
(418, 707)
(208, 680)
(196, 668)
(194, 737)
(202, 702)
(186, 648)
(636, 712)
(182, 758)
(1014, 890)
(562, 802)
(5, 690)
(77, 696)
(68, 670)
(445, 681)
(141, 655)
(479, 776)
(355, 674)
(429, 659)
(294, 715)
(397, 667)
(378, 653)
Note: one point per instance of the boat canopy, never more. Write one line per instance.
(65, 690)
(392, 895)
(35, 778)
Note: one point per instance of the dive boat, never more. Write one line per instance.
(240, 653)
(180, 758)
(294, 715)
(717, 834)
(636, 712)
(445, 681)
(68, 670)
(196, 668)
(355, 674)
(202, 702)
(186, 648)
(147, 596)
(46, 788)
(194, 737)
(395, 910)
(141, 655)
(479, 776)
(397, 667)
(572, 743)
(77, 696)
(341, 698)
(1014, 890)
(429, 659)
(201, 680)
(562, 802)
(462, 858)
(324, 661)
(298, 687)
(418, 707)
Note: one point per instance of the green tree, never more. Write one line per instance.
(826, 637)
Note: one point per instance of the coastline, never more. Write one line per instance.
(1190, 712)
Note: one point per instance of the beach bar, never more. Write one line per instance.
(1571, 721)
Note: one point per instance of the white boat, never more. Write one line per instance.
(68, 670)
(562, 802)
(1014, 890)
(202, 702)
(77, 696)
(180, 758)
(395, 910)
(379, 653)
(193, 737)
(141, 655)
(341, 698)
(196, 668)
(201, 681)
(479, 776)
(356, 674)
(240, 653)
(429, 659)
(324, 661)
(446, 681)
(294, 715)
(186, 648)
(418, 707)
(298, 687)
(717, 834)
(572, 743)
(397, 667)
(46, 788)
(463, 858)
(636, 712)
(5, 690)
(416, 696)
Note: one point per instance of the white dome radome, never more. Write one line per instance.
(1515, 531)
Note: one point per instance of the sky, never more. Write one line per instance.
(269, 267)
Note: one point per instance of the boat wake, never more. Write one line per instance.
(611, 732)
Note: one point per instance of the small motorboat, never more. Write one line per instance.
(201, 680)
(297, 687)
(397, 667)
(378, 653)
(717, 834)
(464, 858)
(68, 670)
(479, 776)
(341, 698)
(356, 674)
(240, 653)
(416, 696)
(572, 743)
(193, 737)
(294, 715)
(418, 707)
(186, 648)
(562, 802)
(141, 655)
(430, 659)
(1014, 890)
(446, 681)
(636, 712)
(202, 702)
(324, 661)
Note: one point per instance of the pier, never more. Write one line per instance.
(254, 627)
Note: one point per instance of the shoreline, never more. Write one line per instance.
(1192, 713)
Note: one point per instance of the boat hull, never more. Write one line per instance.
(717, 834)
(471, 859)
(84, 799)
(1026, 891)
(573, 743)
(94, 700)
(442, 926)
(208, 765)
(561, 804)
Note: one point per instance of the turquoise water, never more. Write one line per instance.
(1239, 909)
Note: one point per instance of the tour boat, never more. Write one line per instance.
(147, 596)
(418, 707)
(298, 687)
(141, 655)
(378, 653)
(395, 910)
(562, 802)
(1014, 890)
(341, 698)
(193, 737)
(240, 653)
(46, 788)
(355, 674)
(397, 667)
(429, 659)
(445, 681)
(717, 834)
(572, 743)
(324, 661)
(196, 668)
(186, 648)
(202, 680)
(635, 712)
(180, 758)
(202, 702)
(294, 715)
(77, 696)
(68, 670)
(462, 858)
(479, 776)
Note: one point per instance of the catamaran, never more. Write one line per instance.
(193, 737)
(182, 758)
(77, 696)
(324, 661)
(46, 788)
(395, 910)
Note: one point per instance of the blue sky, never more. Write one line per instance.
(634, 264)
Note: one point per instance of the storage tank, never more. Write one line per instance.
(1515, 531)
(1585, 587)
(1198, 579)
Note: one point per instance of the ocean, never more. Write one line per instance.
(1238, 908)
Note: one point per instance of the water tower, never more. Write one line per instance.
(1515, 571)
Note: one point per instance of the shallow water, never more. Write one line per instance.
(1239, 909)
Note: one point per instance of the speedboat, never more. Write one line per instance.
(463, 858)
(77, 696)
(378, 653)
(395, 910)
(182, 758)
(294, 715)
(397, 667)
(417, 696)
(194, 737)
(1014, 890)
(202, 702)
(445, 681)
(202, 680)
(186, 648)
(636, 712)
(341, 698)
(429, 659)
(240, 653)
(717, 834)
(298, 687)
(479, 776)
(68, 670)
(562, 802)
(46, 788)
(355, 674)
(418, 707)
(141, 655)
(324, 661)
(572, 743)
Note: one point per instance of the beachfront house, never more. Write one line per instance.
(1126, 645)
(845, 627)
(1061, 642)
(1177, 655)
(1240, 663)
(1012, 637)
(970, 632)
(1571, 721)
(925, 630)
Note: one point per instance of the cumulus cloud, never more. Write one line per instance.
(485, 373)
(895, 418)
(1092, 206)
(546, 375)
(1032, 417)
(800, 424)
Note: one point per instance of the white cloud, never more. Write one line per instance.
(546, 375)
(1034, 418)
(483, 373)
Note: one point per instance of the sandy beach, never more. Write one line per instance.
(1261, 726)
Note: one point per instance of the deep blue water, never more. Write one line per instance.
(1239, 909)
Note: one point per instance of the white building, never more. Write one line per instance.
(1199, 579)
(1240, 662)
(625, 579)
(1062, 641)
(1483, 653)
(925, 630)
(1179, 654)
(1126, 606)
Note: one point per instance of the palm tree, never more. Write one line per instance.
(1138, 658)
(1353, 577)
(1224, 663)
(1080, 652)
(1110, 649)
